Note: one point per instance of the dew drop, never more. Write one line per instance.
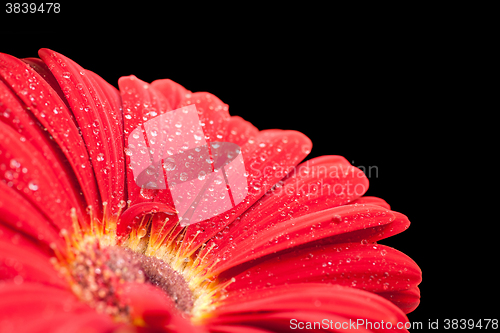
(169, 166)
(14, 164)
(142, 232)
(336, 218)
(147, 193)
(32, 185)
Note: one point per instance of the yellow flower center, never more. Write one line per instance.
(97, 262)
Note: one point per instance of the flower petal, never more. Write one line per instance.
(350, 223)
(213, 113)
(153, 307)
(100, 126)
(372, 267)
(13, 114)
(235, 328)
(17, 213)
(372, 200)
(289, 321)
(270, 149)
(53, 306)
(85, 322)
(41, 100)
(28, 172)
(320, 183)
(22, 260)
(406, 300)
(140, 104)
(133, 214)
(41, 68)
(239, 131)
(172, 91)
(336, 300)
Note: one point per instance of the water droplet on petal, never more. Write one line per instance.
(336, 218)
(128, 152)
(14, 164)
(147, 193)
(32, 185)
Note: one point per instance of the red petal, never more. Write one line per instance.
(372, 200)
(239, 131)
(39, 97)
(214, 117)
(213, 113)
(84, 322)
(18, 213)
(291, 321)
(39, 66)
(141, 103)
(278, 149)
(318, 184)
(22, 260)
(310, 297)
(132, 215)
(154, 307)
(13, 114)
(370, 235)
(53, 307)
(237, 328)
(351, 223)
(28, 173)
(372, 267)
(172, 91)
(101, 127)
(406, 300)
(113, 97)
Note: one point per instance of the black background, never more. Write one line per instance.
(385, 92)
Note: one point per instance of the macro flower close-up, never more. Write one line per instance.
(98, 235)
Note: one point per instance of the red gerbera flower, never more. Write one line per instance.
(83, 247)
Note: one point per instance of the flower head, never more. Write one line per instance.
(85, 244)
